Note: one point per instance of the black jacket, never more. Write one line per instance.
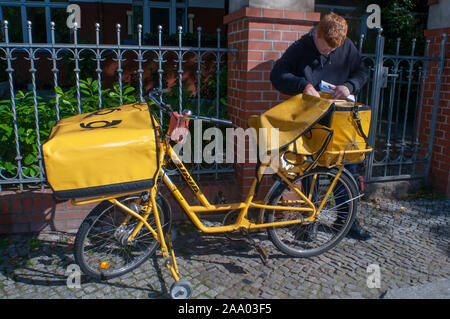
(302, 64)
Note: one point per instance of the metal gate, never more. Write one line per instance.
(395, 91)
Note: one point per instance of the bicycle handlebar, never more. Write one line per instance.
(156, 96)
(209, 119)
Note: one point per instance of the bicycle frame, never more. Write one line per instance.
(242, 208)
(241, 223)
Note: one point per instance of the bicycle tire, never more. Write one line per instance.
(310, 239)
(96, 227)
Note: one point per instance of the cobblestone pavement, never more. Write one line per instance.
(410, 245)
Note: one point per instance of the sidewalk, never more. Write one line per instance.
(410, 245)
(434, 290)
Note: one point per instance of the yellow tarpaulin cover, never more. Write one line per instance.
(291, 118)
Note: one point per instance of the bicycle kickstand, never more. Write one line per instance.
(262, 253)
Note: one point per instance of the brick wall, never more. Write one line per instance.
(440, 162)
(35, 211)
(261, 36)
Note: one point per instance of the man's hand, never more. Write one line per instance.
(340, 92)
(310, 90)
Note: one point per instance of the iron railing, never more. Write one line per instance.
(98, 51)
(395, 91)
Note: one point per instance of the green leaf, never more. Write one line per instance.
(128, 90)
(59, 90)
(10, 167)
(29, 159)
(33, 171)
(95, 86)
(6, 128)
(26, 170)
(224, 101)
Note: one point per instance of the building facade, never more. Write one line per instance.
(108, 13)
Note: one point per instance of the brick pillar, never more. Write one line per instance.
(440, 157)
(261, 36)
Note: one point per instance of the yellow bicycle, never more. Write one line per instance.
(304, 214)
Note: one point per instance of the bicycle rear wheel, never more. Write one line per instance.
(333, 222)
(101, 248)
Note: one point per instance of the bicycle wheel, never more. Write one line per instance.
(333, 222)
(101, 248)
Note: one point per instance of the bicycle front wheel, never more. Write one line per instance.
(101, 248)
(308, 239)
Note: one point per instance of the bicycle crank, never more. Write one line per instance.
(230, 219)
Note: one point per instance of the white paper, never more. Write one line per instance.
(329, 88)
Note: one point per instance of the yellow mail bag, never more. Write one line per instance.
(350, 123)
(339, 137)
(109, 151)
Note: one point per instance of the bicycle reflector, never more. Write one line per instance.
(361, 183)
(104, 265)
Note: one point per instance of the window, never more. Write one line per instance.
(159, 16)
(12, 15)
(181, 15)
(40, 13)
(168, 13)
(38, 27)
(137, 20)
(62, 32)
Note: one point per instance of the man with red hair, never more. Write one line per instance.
(323, 54)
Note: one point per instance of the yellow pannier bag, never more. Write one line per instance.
(304, 152)
(350, 123)
(109, 151)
